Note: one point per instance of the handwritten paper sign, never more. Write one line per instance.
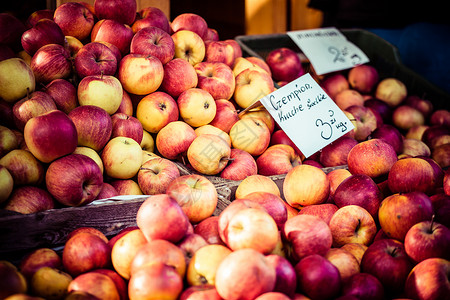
(307, 115)
(328, 49)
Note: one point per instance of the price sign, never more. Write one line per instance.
(307, 115)
(328, 49)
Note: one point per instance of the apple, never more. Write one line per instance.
(44, 32)
(383, 109)
(90, 153)
(404, 117)
(17, 79)
(161, 217)
(273, 204)
(148, 143)
(429, 280)
(433, 132)
(277, 159)
(29, 200)
(153, 41)
(348, 97)
(81, 182)
(157, 280)
(226, 115)
(73, 45)
(208, 229)
(286, 278)
(155, 175)
(427, 239)
(241, 165)
(365, 121)
(126, 105)
(204, 263)
(74, 19)
(211, 35)
(324, 211)
(409, 208)
(374, 157)
(84, 252)
(280, 137)
(38, 258)
(191, 22)
(33, 105)
(126, 187)
(107, 191)
(424, 105)
(251, 135)
(93, 124)
(285, 64)
(344, 261)
(120, 11)
(243, 63)
(190, 244)
(356, 249)
(440, 117)
(363, 78)
(88, 229)
(387, 260)
(179, 76)
(416, 132)
(13, 281)
(219, 52)
(413, 174)
(95, 284)
(195, 194)
(117, 33)
(391, 90)
(252, 85)
(64, 94)
(352, 224)
(41, 133)
(210, 129)
(6, 184)
(216, 78)
(119, 282)
(314, 273)
(16, 28)
(51, 62)
(336, 153)
(306, 185)
(23, 167)
(156, 110)
(200, 292)
(151, 16)
(189, 46)
(196, 106)
(361, 190)
(413, 147)
(440, 154)
(307, 234)
(256, 183)
(390, 134)
(95, 58)
(122, 157)
(140, 74)
(208, 154)
(234, 282)
(104, 91)
(334, 83)
(126, 126)
(335, 177)
(363, 286)
(49, 282)
(258, 61)
(263, 114)
(174, 139)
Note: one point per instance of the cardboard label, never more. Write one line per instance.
(307, 115)
(328, 49)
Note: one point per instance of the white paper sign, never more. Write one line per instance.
(307, 115)
(328, 49)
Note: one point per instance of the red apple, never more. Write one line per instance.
(128, 126)
(285, 64)
(190, 244)
(117, 33)
(151, 16)
(12, 30)
(155, 175)
(179, 75)
(74, 19)
(233, 282)
(314, 273)
(212, 35)
(277, 159)
(95, 58)
(373, 157)
(161, 217)
(366, 121)
(383, 109)
(335, 154)
(363, 286)
(200, 292)
(174, 139)
(208, 229)
(363, 78)
(242, 164)
(94, 284)
(156, 110)
(153, 41)
(429, 280)
(440, 117)
(427, 239)
(226, 115)
(51, 62)
(408, 208)
(216, 78)
(120, 283)
(334, 83)
(405, 117)
(359, 189)
(74, 179)
(324, 211)
(33, 105)
(38, 258)
(29, 200)
(220, 52)
(43, 132)
(44, 32)
(346, 98)
(286, 278)
(107, 191)
(64, 94)
(120, 11)
(352, 224)
(307, 234)
(425, 106)
(387, 260)
(192, 22)
(344, 261)
(390, 134)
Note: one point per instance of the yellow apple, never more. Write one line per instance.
(189, 46)
(256, 183)
(148, 142)
(251, 135)
(17, 79)
(122, 157)
(252, 85)
(210, 129)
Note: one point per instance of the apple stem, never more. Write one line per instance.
(432, 223)
(28, 93)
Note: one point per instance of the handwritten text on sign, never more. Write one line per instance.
(307, 115)
(328, 49)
